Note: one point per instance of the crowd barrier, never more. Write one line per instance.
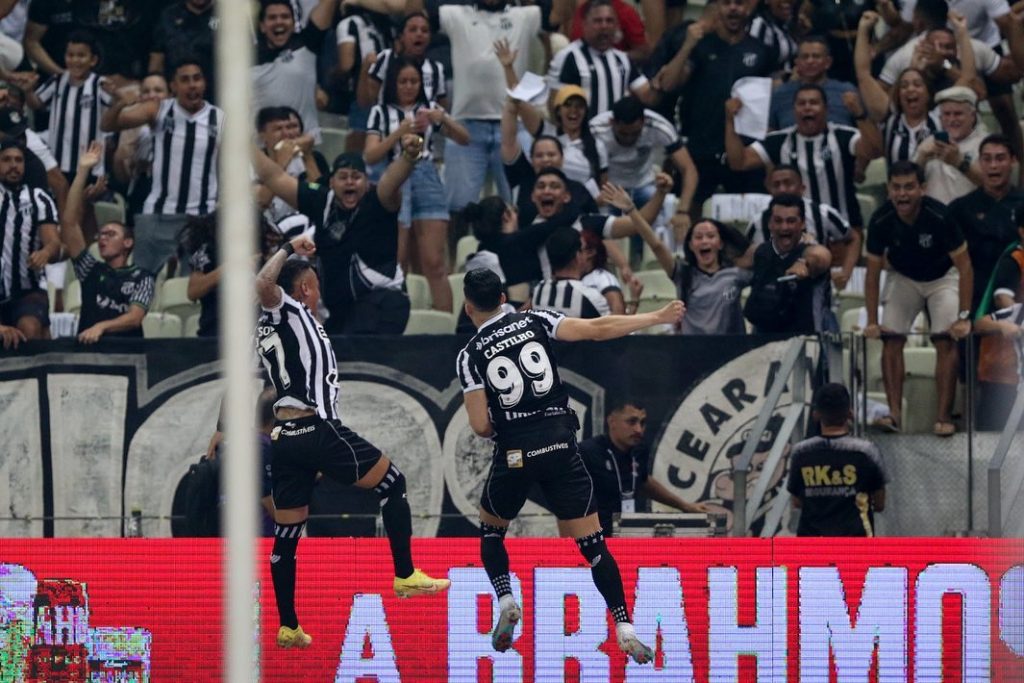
(743, 611)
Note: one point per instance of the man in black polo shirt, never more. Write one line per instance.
(712, 58)
(618, 464)
(356, 237)
(836, 481)
(922, 246)
(989, 216)
(115, 295)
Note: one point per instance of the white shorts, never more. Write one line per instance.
(904, 298)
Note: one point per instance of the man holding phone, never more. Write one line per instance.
(949, 156)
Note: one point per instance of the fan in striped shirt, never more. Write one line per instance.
(76, 99)
(593, 63)
(824, 152)
(904, 111)
(186, 138)
(565, 292)
(771, 25)
(360, 34)
(413, 41)
(29, 239)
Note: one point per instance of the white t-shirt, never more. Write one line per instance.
(480, 82)
(985, 60)
(289, 80)
(631, 166)
(980, 16)
(944, 182)
(37, 146)
(575, 164)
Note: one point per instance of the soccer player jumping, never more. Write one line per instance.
(513, 394)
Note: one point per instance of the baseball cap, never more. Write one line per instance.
(349, 160)
(567, 91)
(12, 122)
(958, 93)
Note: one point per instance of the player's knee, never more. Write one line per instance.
(392, 484)
(593, 548)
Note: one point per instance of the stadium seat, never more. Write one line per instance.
(419, 291)
(430, 322)
(191, 327)
(161, 326)
(458, 298)
(648, 261)
(868, 204)
(73, 296)
(174, 299)
(463, 248)
(656, 284)
(332, 142)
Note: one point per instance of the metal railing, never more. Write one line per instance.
(795, 368)
(997, 511)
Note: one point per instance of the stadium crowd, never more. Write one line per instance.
(599, 157)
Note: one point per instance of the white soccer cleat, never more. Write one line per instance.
(501, 639)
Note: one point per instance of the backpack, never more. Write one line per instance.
(202, 498)
(771, 306)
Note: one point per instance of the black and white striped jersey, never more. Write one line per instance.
(431, 73)
(386, 118)
(510, 358)
(185, 149)
(606, 76)
(900, 140)
(22, 212)
(570, 297)
(776, 36)
(821, 221)
(75, 112)
(825, 161)
(298, 358)
(359, 29)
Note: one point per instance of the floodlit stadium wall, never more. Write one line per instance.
(769, 611)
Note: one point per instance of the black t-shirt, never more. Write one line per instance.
(716, 65)
(58, 18)
(834, 478)
(809, 296)
(616, 475)
(510, 358)
(124, 30)
(989, 226)
(358, 249)
(180, 33)
(663, 52)
(108, 293)
(919, 251)
(520, 174)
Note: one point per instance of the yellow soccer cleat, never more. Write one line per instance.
(418, 583)
(293, 637)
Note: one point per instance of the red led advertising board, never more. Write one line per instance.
(886, 610)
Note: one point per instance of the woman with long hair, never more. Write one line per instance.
(708, 280)
(406, 110)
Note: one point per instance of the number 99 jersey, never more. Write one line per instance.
(510, 358)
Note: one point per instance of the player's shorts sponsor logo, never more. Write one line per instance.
(563, 446)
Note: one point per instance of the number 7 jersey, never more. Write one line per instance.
(298, 358)
(510, 358)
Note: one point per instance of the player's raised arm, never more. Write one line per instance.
(614, 326)
(267, 290)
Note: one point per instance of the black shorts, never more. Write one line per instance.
(34, 303)
(303, 447)
(548, 456)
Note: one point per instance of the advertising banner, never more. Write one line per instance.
(100, 431)
(717, 610)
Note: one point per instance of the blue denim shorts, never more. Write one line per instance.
(423, 197)
(358, 116)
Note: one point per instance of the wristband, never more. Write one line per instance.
(288, 249)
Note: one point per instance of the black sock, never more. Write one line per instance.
(606, 574)
(495, 557)
(394, 510)
(282, 570)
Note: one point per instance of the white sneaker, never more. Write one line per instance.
(501, 639)
(631, 645)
